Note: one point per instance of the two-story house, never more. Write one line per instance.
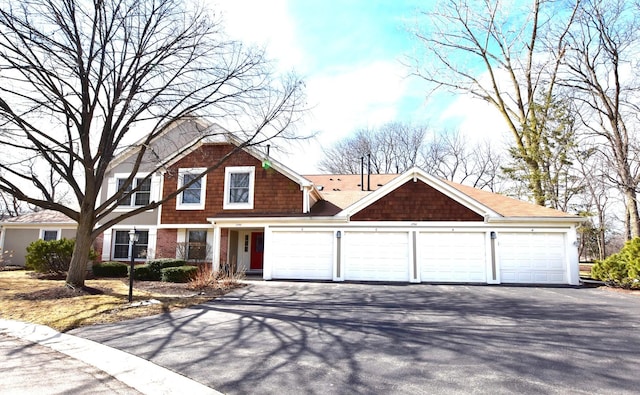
(254, 214)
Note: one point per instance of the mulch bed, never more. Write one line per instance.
(180, 289)
(60, 293)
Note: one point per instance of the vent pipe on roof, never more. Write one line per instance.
(362, 173)
(369, 172)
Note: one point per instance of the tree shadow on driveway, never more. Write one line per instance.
(281, 337)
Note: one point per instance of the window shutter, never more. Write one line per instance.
(155, 188)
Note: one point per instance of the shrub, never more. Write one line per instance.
(144, 273)
(49, 256)
(621, 269)
(179, 274)
(204, 278)
(156, 266)
(110, 269)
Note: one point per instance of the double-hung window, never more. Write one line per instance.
(192, 197)
(139, 198)
(121, 246)
(49, 234)
(239, 184)
(197, 245)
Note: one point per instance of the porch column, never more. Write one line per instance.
(266, 258)
(215, 262)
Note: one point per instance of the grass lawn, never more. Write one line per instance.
(49, 302)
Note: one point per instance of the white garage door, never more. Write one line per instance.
(302, 255)
(376, 256)
(453, 257)
(534, 258)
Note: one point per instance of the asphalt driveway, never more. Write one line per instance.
(331, 338)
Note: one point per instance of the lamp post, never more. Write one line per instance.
(133, 238)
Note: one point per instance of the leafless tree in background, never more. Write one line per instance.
(77, 78)
(391, 148)
(507, 54)
(452, 156)
(602, 52)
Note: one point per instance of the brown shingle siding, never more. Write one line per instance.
(274, 193)
(416, 201)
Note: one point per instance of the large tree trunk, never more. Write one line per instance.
(632, 213)
(84, 240)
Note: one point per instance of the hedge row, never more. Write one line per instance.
(110, 269)
(168, 270)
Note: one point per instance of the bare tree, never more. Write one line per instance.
(508, 55)
(10, 206)
(602, 50)
(451, 155)
(391, 148)
(344, 156)
(594, 169)
(79, 79)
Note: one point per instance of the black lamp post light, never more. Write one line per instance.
(133, 238)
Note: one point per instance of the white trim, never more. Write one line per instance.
(180, 226)
(537, 220)
(228, 171)
(306, 205)
(151, 243)
(57, 230)
(416, 174)
(203, 188)
(106, 244)
(181, 239)
(569, 234)
(3, 231)
(277, 166)
(215, 259)
(160, 196)
(267, 260)
(573, 259)
(112, 188)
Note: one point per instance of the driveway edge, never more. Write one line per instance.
(129, 369)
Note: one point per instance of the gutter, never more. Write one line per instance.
(573, 220)
(279, 220)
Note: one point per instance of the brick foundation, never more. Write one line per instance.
(224, 245)
(166, 243)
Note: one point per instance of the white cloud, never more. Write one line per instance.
(343, 102)
(358, 97)
(263, 23)
(476, 118)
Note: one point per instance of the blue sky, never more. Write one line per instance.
(350, 54)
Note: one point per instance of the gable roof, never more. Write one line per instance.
(44, 217)
(189, 138)
(344, 191)
(173, 138)
(507, 206)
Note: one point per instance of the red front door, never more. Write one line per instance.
(257, 250)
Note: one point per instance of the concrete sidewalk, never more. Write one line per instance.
(37, 359)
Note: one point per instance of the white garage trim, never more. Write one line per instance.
(416, 253)
(377, 255)
(459, 257)
(533, 257)
(299, 255)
